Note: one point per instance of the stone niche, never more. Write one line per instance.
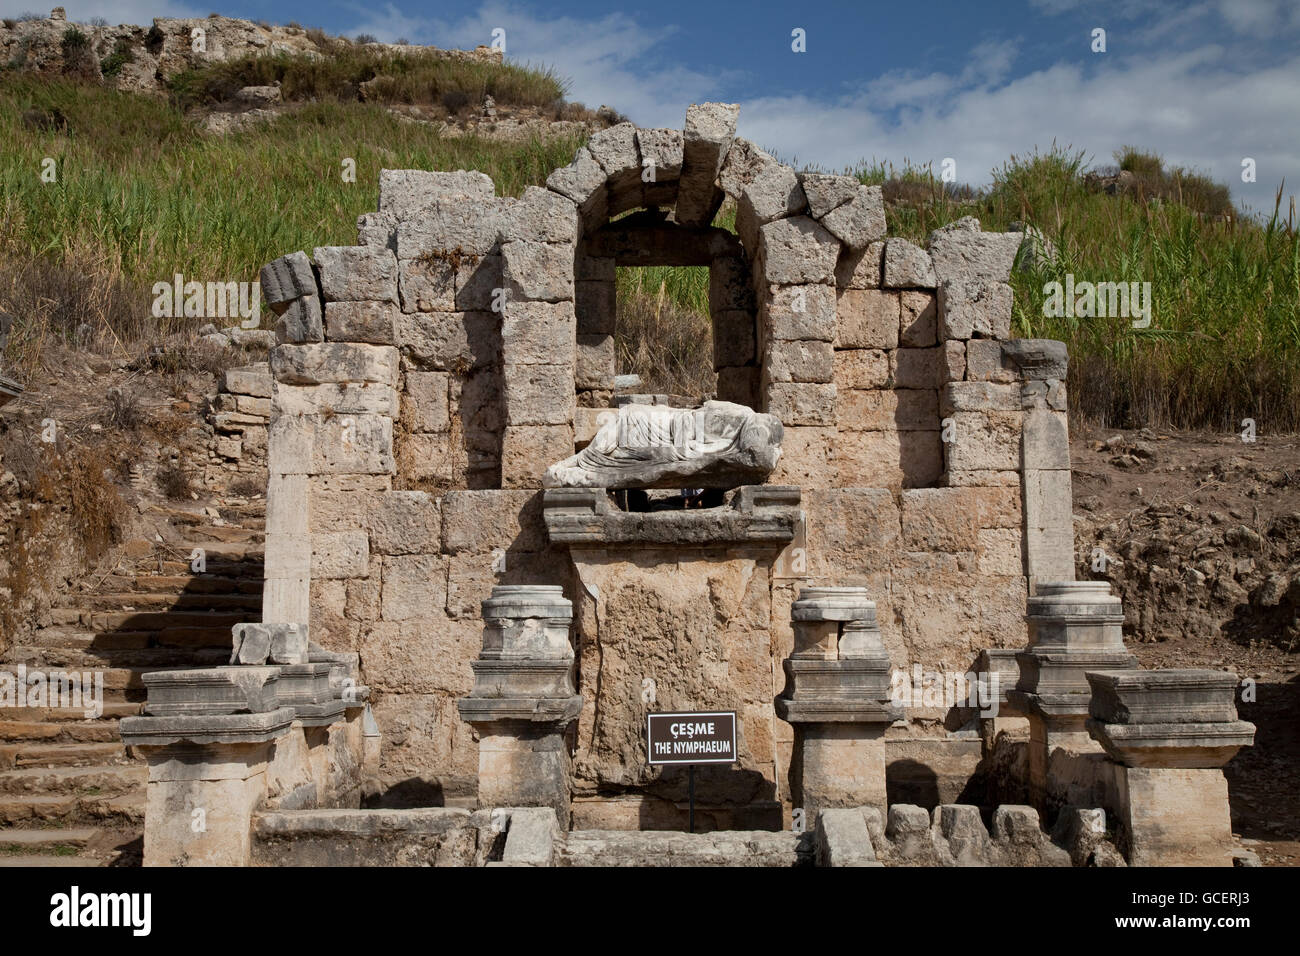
(427, 377)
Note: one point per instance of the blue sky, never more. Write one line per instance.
(1206, 83)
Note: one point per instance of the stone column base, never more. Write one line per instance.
(1175, 816)
(838, 765)
(523, 765)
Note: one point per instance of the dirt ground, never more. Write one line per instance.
(1202, 537)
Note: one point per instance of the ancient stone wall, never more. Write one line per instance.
(429, 375)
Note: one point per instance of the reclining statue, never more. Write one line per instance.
(720, 445)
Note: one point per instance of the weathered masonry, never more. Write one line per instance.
(899, 501)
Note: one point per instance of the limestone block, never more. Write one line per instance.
(542, 215)
(985, 362)
(1045, 440)
(1036, 359)
(1049, 526)
(479, 521)
(538, 333)
(978, 397)
(356, 273)
(798, 312)
(907, 266)
(351, 444)
(427, 284)
(904, 409)
(414, 587)
(940, 519)
(915, 368)
(706, 138)
(860, 221)
(798, 361)
(968, 841)
(739, 385)
(808, 457)
(428, 457)
(424, 402)
(285, 279)
(952, 360)
(733, 339)
(889, 459)
(538, 394)
(582, 181)
(594, 268)
(861, 368)
(797, 250)
(334, 362)
(478, 282)
(449, 340)
(984, 441)
(528, 450)
(594, 366)
(1000, 552)
(730, 285)
(377, 229)
(801, 404)
(594, 303)
(301, 321)
(661, 150)
(422, 654)
(918, 319)
(252, 380)
(861, 268)
(347, 398)
(371, 322)
(826, 192)
(410, 193)
(1176, 817)
(961, 251)
(540, 271)
(867, 319)
(615, 150)
(454, 228)
(402, 522)
(340, 554)
(973, 308)
(839, 765)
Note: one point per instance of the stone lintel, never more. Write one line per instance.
(830, 711)
(645, 240)
(1189, 695)
(530, 710)
(172, 729)
(585, 516)
(1202, 746)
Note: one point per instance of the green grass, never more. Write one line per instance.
(143, 194)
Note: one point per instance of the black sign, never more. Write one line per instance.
(707, 737)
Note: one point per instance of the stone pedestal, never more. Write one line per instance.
(1074, 627)
(837, 698)
(1170, 732)
(524, 698)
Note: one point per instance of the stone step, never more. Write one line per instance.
(207, 583)
(230, 567)
(36, 808)
(157, 620)
(672, 848)
(101, 731)
(93, 782)
(84, 640)
(73, 715)
(158, 601)
(430, 836)
(7, 860)
(45, 840)
(95, 658)
(47, 755)
(117, 809)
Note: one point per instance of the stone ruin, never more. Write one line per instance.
(480, 553)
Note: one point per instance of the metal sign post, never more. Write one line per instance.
(691, 738)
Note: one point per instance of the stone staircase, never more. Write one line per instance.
(644, 848)
(70, 792)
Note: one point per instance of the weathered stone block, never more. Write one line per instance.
(799, 361)
(582, 181)
(541, 215)
(349, 398)
(907, 266)
(861, 368)
(410, 193)
(450, 340)
(974, 308)
(594, 366)
(867, 319)
(730, 285)
(797, 250)
(984, 441)
(733, 339)
(334, 362)
(952, 361)
(285, 279)
(480, 521)
(940, 519)
(538, 394)
(453, 229)
(479, 284)
(801, 404)
(709, 131)
(739, 385)
(528, 450)
(340, 554)
(979, 397)
(414, 587)
(826, 192)
(371, 322)
(356, 273)
(961, 251)
(885, 409)
(860, 268)
(860, 221)
(300, 322)
(540, 271)
(538, 333)
(985, 362)
(918, 320)
(798, 312)
(427, 284)
(595, 305)
(424, 403)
